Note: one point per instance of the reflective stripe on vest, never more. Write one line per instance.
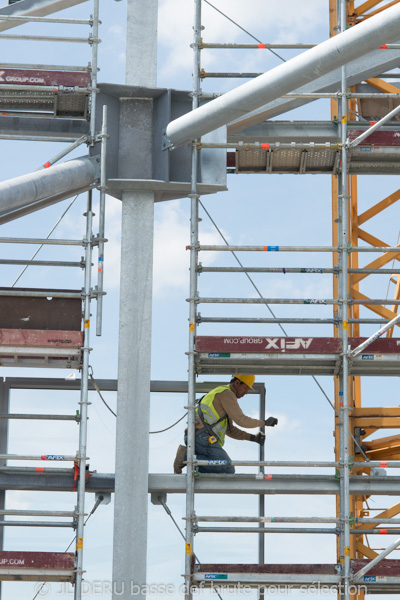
(210, 414)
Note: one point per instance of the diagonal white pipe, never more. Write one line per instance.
(58, 179)
(335, 52)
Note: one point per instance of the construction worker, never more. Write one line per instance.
(215, 415)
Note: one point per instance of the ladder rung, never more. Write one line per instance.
(51, 457)
(41, 417)
(38, 513)
(37, 524)
(45, 67)
(35, 470)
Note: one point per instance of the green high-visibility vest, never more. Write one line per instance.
(211, 416)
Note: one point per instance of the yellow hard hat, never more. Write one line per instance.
(247, 379)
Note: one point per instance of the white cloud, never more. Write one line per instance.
(171, 236)
(171, 259)
(288, 21)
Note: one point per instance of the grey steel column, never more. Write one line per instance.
(141, 43)
(132, 448)
(4, 409)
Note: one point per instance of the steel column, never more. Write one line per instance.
(132, 447)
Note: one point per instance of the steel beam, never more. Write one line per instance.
(50, 127)
(300, 132)
(306, 67)
(79, 173)
(365, 67)
(163, 483)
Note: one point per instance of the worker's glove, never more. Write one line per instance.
(271, 422)
(259, 438)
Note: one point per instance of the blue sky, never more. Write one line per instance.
(276, 210)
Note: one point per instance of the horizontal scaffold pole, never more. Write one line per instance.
(312, 64)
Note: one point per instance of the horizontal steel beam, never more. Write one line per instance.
(50, 127)
(208, 484)
(298, 131)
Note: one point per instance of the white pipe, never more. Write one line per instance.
(376, 560)
(71, 175)
(374, 127)
(335, 52)
(374, 337)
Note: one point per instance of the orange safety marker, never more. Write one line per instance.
(43, 457)
(4, 113)
(261, 46)
(265, 146)
(39, 468)
(47, 165)
(372, 123)
(383, 465)
(384, 531)
(268, 477)
(384, 47)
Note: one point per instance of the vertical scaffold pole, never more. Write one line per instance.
(84, 401)
(261, 500)
(194, 224)
(102, 210)
(343, 295)
(95, 46)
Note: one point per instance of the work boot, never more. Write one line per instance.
(179, 460)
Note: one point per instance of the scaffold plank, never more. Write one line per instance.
(37, 566)
(293, 356)
(385, 576)
(47, 78)
(39, 338)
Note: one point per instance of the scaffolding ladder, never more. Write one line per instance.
(344, 356)
(44, 102)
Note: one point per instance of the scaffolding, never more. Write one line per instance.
(346, 356)
(52, 103)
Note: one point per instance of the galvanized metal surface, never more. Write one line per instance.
(133, 407)
(67, 177)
